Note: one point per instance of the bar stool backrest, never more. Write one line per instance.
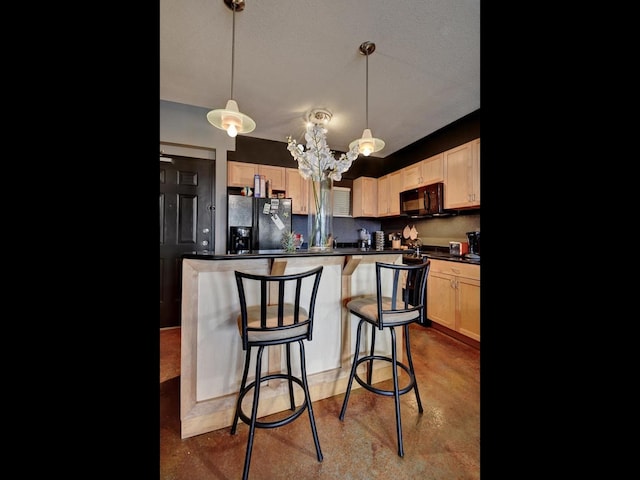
(408, 295)
(278, 308)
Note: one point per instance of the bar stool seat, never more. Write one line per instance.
(404, 306)
(281, 313)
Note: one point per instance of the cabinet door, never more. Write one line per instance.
(469, 307)
(296, 189)
(395, 187)
(383, 196)
(441, 299)
(412, 176)
(370, 197)
(426, 172)
(240, 174)
(433, 169)
(475, 151)
(461, 177)
(275, 174)
(365, 197)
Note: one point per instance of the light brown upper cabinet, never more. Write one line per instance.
(297, 190)
(383, 196)
(389, 188)
(433, 169)
(428, 171)
(462, 176)
(365, 197)
(274, 174)
(240, 174)
(395, 187)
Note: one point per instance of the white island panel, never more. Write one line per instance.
(211, 351)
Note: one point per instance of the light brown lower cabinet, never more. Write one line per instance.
(453, 296)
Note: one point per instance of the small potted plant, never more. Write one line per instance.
(288, 241)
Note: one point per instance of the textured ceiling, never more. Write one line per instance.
(295, 55)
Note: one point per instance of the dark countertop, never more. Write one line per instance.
(439, 253)
(442, 253)
(445, 256)
(202, 255)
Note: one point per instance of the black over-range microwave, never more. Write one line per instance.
(425, 201)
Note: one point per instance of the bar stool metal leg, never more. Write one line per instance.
(305, 384)
(242, 385)
(254, 414)
(407, 348)
(396, 394)
(373, 347)
(293, 405)
(354, 365)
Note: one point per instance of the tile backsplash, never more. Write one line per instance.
(432, 231)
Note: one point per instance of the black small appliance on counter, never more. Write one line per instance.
(474, 244)
(240, 239)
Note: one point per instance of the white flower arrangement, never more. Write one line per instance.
(318, 161)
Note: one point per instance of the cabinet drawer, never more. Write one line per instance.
(456, 268)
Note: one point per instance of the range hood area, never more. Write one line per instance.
(444, 213)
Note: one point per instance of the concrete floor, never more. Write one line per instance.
(443, 443)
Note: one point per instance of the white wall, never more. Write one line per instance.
(184, 130)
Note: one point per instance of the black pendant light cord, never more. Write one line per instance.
(230, 118)
(366, 49)
(367, 144)
(233, 47)
(367, 95)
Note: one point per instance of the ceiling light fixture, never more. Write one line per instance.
(319, 116)
(367, 144)
(230, 118)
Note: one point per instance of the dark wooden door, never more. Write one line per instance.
(186, 224)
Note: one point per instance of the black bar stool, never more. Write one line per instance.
(405, 306)
(288, 320)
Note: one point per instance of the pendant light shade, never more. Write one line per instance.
(230, 118)
(367, 144)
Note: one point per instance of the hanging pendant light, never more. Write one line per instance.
(367, 144)
(230, 118)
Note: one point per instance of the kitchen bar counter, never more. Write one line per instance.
(211, 349)
(440, 253)
(297, 253)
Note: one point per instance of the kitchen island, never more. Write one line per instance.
(211, 349)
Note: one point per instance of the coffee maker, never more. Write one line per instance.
(364, 242)
(474, 245)
(240, 239)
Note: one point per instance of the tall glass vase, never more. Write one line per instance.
(320, 217)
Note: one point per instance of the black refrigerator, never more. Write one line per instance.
(268, 218)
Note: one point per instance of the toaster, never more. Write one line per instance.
(458, 248)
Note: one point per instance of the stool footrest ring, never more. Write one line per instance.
(276, 423)
(381, 391)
